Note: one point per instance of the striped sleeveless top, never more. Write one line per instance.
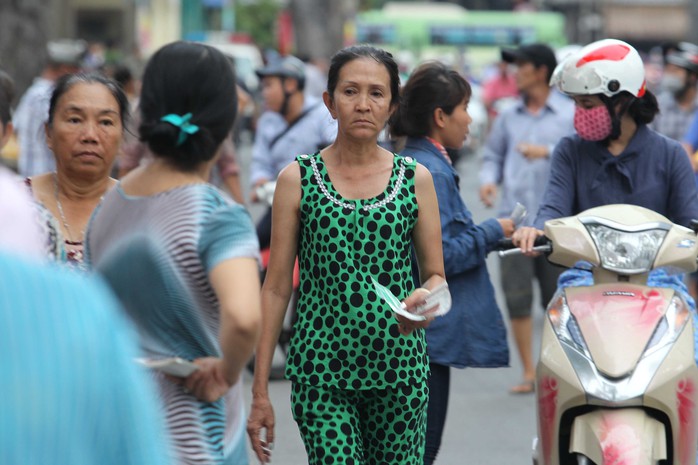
(156, 253)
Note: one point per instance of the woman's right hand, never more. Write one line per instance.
(524, 238)
(210, 382)
(261, 422)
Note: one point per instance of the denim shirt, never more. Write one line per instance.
(472, 334)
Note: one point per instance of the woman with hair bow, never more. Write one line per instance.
(183, 256)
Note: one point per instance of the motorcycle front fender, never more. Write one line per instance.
(626, 435)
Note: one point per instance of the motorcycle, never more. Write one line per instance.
(617, 381)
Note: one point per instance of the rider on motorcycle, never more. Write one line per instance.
(292, 124)
(614, 158)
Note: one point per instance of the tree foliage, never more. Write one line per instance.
(258, 19)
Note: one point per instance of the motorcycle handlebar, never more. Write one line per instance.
(506, 247)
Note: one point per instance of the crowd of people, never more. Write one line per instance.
(116, 234)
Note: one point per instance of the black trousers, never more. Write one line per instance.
(439, 384)
(264, 230)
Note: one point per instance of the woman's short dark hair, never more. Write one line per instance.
(181, 78)
(432, 85)
(65, 83)
(7, 94)
(354, 52)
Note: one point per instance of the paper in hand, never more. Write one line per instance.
(173, 366)
(518, 214)
(395, 304)
(437, 302)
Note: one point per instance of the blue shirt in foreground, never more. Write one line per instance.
(70, 392)
(472, 334)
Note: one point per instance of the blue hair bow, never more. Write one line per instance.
(182, 122)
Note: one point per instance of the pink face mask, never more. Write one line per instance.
(593, 123)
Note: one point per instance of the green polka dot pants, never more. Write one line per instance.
(364, 427)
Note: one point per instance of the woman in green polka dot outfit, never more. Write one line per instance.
(351, 212)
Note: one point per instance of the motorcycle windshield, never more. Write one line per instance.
(617, 321)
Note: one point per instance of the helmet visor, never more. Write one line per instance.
(573, 80)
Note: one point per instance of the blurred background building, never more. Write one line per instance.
(316, 28)
(466, 34)
(641, 22)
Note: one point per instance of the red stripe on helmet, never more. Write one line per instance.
(614, 52)
(642, 90)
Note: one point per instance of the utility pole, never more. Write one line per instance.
(23, 39)
(319, 25)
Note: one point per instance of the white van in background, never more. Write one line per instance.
(247, 58)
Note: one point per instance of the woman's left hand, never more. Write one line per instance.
(414, 300)
(208, 383)
(525, 238)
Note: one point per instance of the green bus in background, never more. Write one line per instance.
(470, 39)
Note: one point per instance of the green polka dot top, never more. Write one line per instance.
(346, 337)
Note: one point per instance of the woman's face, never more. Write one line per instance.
(361, 100)
(457, 126)
(587, 101)
(86, 131)
(592, 120)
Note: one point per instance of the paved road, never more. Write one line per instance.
(485, 425)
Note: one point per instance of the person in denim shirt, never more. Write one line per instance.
(516, 164)
(434, 116)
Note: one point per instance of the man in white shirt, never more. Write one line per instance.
(64, 57)
(292, 124)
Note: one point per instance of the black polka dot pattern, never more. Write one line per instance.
(377, 426)
(346, 336)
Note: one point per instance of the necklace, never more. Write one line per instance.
(60, 211)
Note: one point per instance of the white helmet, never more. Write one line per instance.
(605, 67)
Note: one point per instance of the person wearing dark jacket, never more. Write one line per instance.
(433, 114)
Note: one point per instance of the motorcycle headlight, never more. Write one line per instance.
(565, 326)
(670, 326)
(627, 252)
